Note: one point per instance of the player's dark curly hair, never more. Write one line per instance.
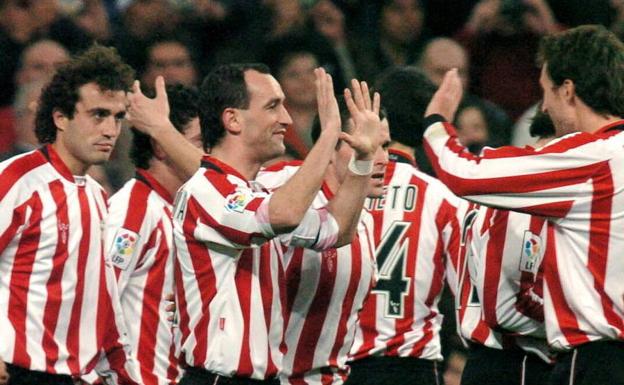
(99, 65)
(405, 93)
(224, 87)
(593, 58)
(183, 107)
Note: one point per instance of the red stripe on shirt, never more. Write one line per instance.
(243, 279)
(204, 274)
(73, 339)
(20, 280)
(315, 319)
(565, 316)
(136, 214)
(150, 317)
(347, 305)
(266, 291)
(600, 229)
(17, 169)
(53, 286)
(230, 233)
(493, 265)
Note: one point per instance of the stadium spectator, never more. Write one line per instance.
(24, 108)
(502, 38)
(171, 59)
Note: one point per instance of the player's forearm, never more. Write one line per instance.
(346, 206)
(290, 202)
(184, 155)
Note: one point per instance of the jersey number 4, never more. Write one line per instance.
(393, 284)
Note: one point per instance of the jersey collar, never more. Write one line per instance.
(212, 163)
(145, 177)
(401, 157)
(617, 125)
(55, 160)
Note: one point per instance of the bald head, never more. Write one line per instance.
(441, 55)
(40, 60)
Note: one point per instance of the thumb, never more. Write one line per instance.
(136, 88)
(161, 90)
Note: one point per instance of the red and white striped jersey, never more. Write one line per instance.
(417, 242)
(56, 312)
(578, 182)
(500, 280)
(324, 292)
(228, 276)
(139, 245)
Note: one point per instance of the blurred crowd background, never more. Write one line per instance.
(492, 43)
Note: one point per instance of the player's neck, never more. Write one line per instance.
(238, 160)
(588, 120)
(166, 175)
(75, 166)
(594, 122)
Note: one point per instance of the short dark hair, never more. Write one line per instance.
(405, 93)
(224, 87)
(593, 58)
(541, 125)
(183, 107)
(100, 65)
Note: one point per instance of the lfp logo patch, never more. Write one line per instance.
(236, 202)
(123, 248)
(532, 251)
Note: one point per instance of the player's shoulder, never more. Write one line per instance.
(18, 166)
(404, 172)
(278, 173)
(25, 173)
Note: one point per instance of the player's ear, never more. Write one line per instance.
(569, 89)
(60, 119)
(231, 119)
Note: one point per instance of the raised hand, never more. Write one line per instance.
(327, 105)
(147, 114)
(365, 136)
(446, 99)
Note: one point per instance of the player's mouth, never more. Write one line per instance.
(104, 146)
(378, 175)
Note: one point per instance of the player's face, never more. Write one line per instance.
(556, 106)
(265, 122)
(89, 137)
(376, 185)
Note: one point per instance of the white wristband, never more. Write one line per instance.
(360, 167)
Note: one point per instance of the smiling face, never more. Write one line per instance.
(264, 123)
(89, 137)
